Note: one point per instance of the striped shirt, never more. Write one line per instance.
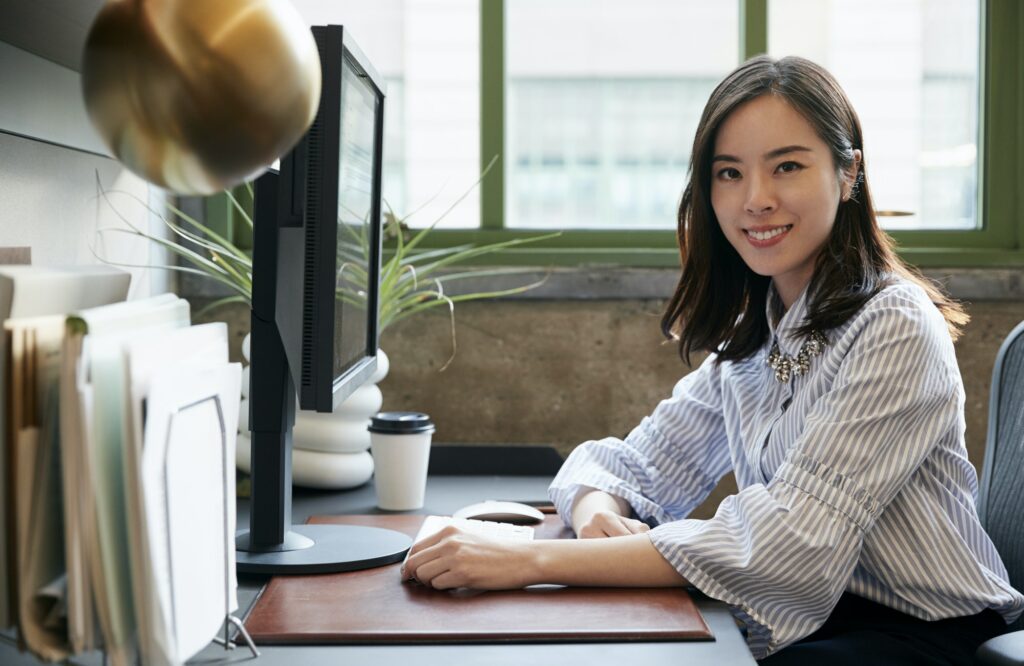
(852, 477)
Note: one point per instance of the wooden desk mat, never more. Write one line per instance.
(373, 606)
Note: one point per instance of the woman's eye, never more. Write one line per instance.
(789, 167)
(728, 173)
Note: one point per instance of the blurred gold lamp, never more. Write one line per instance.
(197, 96)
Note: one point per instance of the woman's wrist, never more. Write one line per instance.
(537, 560)
(549, 562)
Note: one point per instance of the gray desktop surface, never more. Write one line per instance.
(444, 495)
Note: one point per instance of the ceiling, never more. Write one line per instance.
(51, 29)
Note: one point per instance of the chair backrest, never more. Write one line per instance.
(1001, 497)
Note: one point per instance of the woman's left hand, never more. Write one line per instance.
(453, 558)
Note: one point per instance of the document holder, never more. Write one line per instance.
(227, 467)
(374, 606)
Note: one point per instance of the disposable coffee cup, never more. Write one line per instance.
(400, 444)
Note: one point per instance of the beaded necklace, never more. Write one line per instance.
(786, 366)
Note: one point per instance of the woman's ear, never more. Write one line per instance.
(851, 176)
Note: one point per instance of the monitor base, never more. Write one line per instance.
(335, 548)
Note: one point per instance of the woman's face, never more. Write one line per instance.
(775, 191)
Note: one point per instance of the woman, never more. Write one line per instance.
(832, 392)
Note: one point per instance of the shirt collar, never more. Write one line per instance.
(783, 332)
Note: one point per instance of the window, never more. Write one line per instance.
(428, 53)
(602, 101)
(591, 106)
(911, 70)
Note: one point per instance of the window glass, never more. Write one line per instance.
(428, 52)
(910, 68)
(602, 102)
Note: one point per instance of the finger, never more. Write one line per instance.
(616, 527)
(447, 580)
(418, 559)
(638, 527)
(591, 532)
(433, 539)
(601, 528)
(429, 571)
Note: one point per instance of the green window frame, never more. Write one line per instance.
(998, 242)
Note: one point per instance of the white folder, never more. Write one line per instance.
(180, 350)
(188, 485)
(93, 441)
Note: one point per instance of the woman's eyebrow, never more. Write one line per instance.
(771, 154)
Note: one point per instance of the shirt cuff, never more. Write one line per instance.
(666, 539)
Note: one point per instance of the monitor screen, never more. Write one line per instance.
(337, 169)
(360, 106)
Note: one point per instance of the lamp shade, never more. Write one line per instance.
(197, 96)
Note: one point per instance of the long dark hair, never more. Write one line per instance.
(719, 304)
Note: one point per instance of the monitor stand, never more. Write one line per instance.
(311, 549)
(273, 545)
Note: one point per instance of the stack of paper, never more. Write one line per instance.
(94, 444)
(35, 526)
(26, 293)
(122, 422)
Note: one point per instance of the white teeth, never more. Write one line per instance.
(765, 235)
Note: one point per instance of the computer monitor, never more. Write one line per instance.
(316, 277)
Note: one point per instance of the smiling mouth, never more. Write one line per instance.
(767, 234)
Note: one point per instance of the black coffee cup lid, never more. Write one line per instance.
(401, 423)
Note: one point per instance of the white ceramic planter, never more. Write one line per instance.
(328, 450)
(315, 469)
(344, 431)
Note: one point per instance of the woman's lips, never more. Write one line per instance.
(767, 236)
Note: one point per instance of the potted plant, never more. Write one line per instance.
(413, 280)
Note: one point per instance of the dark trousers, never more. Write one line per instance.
(862, 633)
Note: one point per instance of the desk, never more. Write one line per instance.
(445, 494)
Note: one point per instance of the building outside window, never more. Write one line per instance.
(910, 68)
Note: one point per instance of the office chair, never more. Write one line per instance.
(1001, 496)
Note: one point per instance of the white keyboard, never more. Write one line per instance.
(434, 524)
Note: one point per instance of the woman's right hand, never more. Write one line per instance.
(610, 524)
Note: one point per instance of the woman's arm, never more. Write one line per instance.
(452, 558)
(664, 468)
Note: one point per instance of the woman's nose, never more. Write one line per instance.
(760, 196)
